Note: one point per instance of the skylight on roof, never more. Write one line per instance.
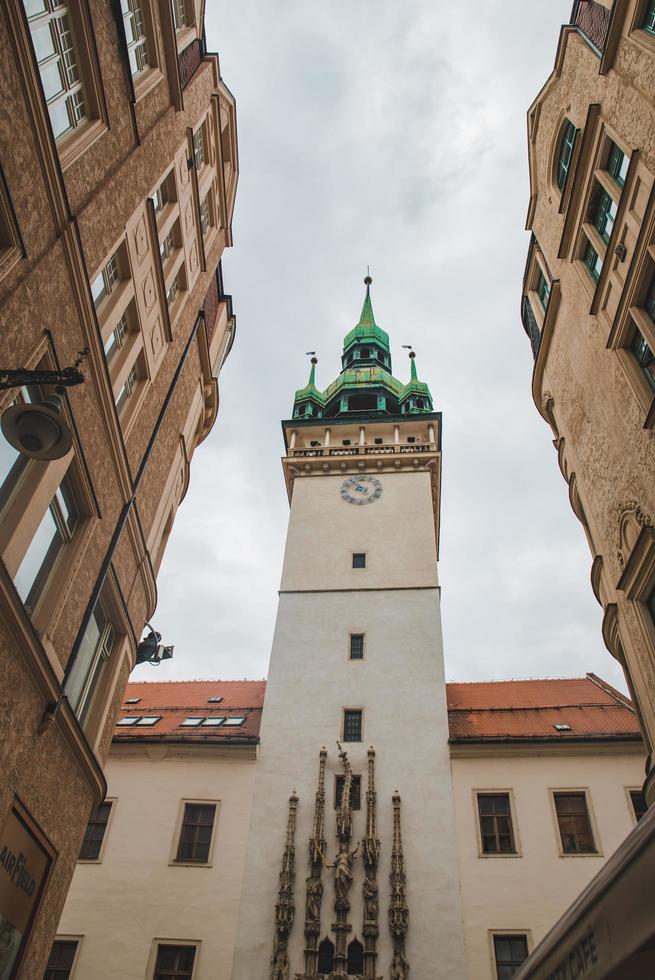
(212, 722)
(215, 700)
(132, 700)
(139, 720)
(562, 728)
(192, 722)
(235, 720)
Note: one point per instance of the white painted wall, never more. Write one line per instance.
(134, 895)
(400, 685)
(529, 892)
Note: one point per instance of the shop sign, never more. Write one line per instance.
(24, 865)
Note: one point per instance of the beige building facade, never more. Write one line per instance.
(547, 785)
(589, 309)
(163, 859)
(118, 175)
(161, 866)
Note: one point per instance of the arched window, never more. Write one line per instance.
(326, 956)
(355, 957)
(565, 153)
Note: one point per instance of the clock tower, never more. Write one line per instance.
(351, 866)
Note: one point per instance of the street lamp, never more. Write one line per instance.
(151, 650)
(39, 430)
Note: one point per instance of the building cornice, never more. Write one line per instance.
(547, 745)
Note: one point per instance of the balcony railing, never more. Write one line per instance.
(396, 449)
(592, 19)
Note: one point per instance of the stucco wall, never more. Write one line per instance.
(529, 892)
(400, 686)
(134, 895)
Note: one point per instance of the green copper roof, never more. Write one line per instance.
(365, 386)
(367, 329)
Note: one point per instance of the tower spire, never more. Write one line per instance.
(367, 318)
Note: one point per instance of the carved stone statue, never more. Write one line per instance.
(399, 966)
(370, 890)
(280, 969)
(343, 875)
(313, 900)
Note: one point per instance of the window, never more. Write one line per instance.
(352, 725)
(135, 33)
(326, 956)
(174, 962)
(58, 61)
(192, 722)
(650, 605)
(167, 246)
(359, 560)
(95, 832)
(617, 163)
(574, 825)
(196, 832)
(355, 792)
(510, 952)
(55, 531)
(356, 646)
(565, 153)
(496, 833)
(643, 355)
(164, 194)
(173, 290)
(648, 23)
(543, 290)
(355, 965)
(214, 700)
(638, 803)
(117, 337)
(105, 281)
(199, 153)
(146, 720)
(562, 728)
(213, 722)
(62, 958)
(180, 15)
(234, 721)
(128, 387)
(132, 700)
(205, 215)
(94, 652)
(593, 261)
(605, 215)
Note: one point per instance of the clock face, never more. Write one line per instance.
(361, 490)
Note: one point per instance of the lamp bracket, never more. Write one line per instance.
(68, 377)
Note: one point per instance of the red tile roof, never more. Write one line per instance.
(177, 700)
(524, 710)
(478, 711)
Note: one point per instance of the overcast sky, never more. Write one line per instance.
(393, 134)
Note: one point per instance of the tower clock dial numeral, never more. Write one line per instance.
(361, 490)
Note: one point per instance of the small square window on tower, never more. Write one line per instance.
(355, 792)
(352, 725)
(359, 559)
(356, 646)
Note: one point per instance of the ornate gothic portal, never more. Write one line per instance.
(335, 957)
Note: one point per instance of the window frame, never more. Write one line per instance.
(12, 247)
(495, 791)
(111, 800)
(571, 791)
(339, 781)
(65, 938)
(21, 511)
(567, 129)
(195, 944)
(73, 143)
(510, 933)
(634, 316)
(174, 861)
(356, 555)
(629, 791)
(344, 711)
(146, 79)
(353, 636)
